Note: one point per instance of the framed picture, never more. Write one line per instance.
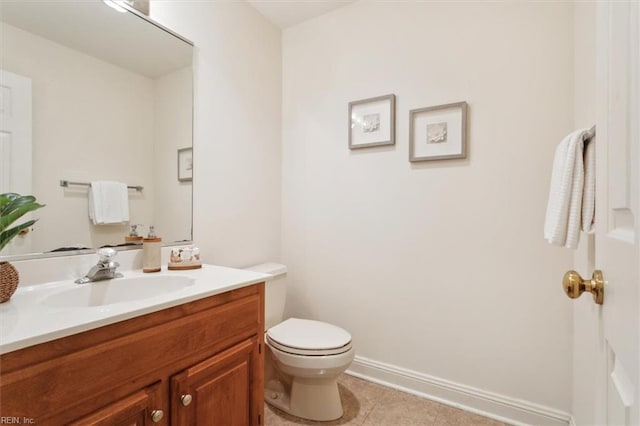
(438, 132)
(185, 164)
(372, 122)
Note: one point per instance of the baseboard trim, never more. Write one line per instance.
(499, 407)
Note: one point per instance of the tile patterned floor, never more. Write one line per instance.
(369, 404)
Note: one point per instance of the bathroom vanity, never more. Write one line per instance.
(197, 361)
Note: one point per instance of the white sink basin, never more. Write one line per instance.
(118, 290)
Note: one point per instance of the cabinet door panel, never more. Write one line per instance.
(134, 410)
(220, 388)
(224, 399)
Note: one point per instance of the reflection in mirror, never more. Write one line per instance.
(108, 98)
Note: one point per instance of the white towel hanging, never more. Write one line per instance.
(589, 192)
(108, 203)
(571, 199)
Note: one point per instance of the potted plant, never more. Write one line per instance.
(12, 207)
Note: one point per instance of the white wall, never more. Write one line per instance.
(82, 133)
(438, 268)
(237, 128)
(173, 117)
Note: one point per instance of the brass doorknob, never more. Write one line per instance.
(574, 285)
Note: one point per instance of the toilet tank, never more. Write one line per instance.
(275, 292)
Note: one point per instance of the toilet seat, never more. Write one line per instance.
(308, 337)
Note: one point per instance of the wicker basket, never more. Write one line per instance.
(8, 281)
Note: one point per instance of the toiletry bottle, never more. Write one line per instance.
(151, 252)
(133, 236)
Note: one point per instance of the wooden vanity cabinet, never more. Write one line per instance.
(194, 364)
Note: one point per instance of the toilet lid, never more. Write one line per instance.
(308, 337)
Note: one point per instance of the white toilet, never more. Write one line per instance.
(304, 358)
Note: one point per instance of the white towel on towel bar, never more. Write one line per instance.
(589, 192)
(108, 203)
(566, 208)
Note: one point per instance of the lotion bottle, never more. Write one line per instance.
(151, 252)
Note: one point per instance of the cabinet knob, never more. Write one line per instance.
(186, 399)
(157, 415)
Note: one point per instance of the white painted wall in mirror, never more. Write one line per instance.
(82, 133)
(172, 131)
(97, 121)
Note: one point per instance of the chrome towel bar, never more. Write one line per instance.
(67, 183)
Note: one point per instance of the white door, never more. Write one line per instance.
(617, 239)
(15, 143)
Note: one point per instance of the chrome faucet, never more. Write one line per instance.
(104, 270)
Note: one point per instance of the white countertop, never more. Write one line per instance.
(27, 319)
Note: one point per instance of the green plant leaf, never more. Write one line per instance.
(16, 203)
(11, 215)
(12, 207)
(8, 235)
(7, 198)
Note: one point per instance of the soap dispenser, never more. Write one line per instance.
(133, 236)
(151, 252)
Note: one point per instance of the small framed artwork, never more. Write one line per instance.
(372, 122)
(438, 132)
(185, 164)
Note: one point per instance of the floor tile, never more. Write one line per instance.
(358, 396)
(369, 404)
(400, 408)
(477, 420)
(449, 416)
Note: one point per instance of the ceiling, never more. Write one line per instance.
(102, 32)
(286, 13)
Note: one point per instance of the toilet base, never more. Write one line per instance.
(311, 399)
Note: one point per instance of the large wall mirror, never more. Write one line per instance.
(90, 93)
